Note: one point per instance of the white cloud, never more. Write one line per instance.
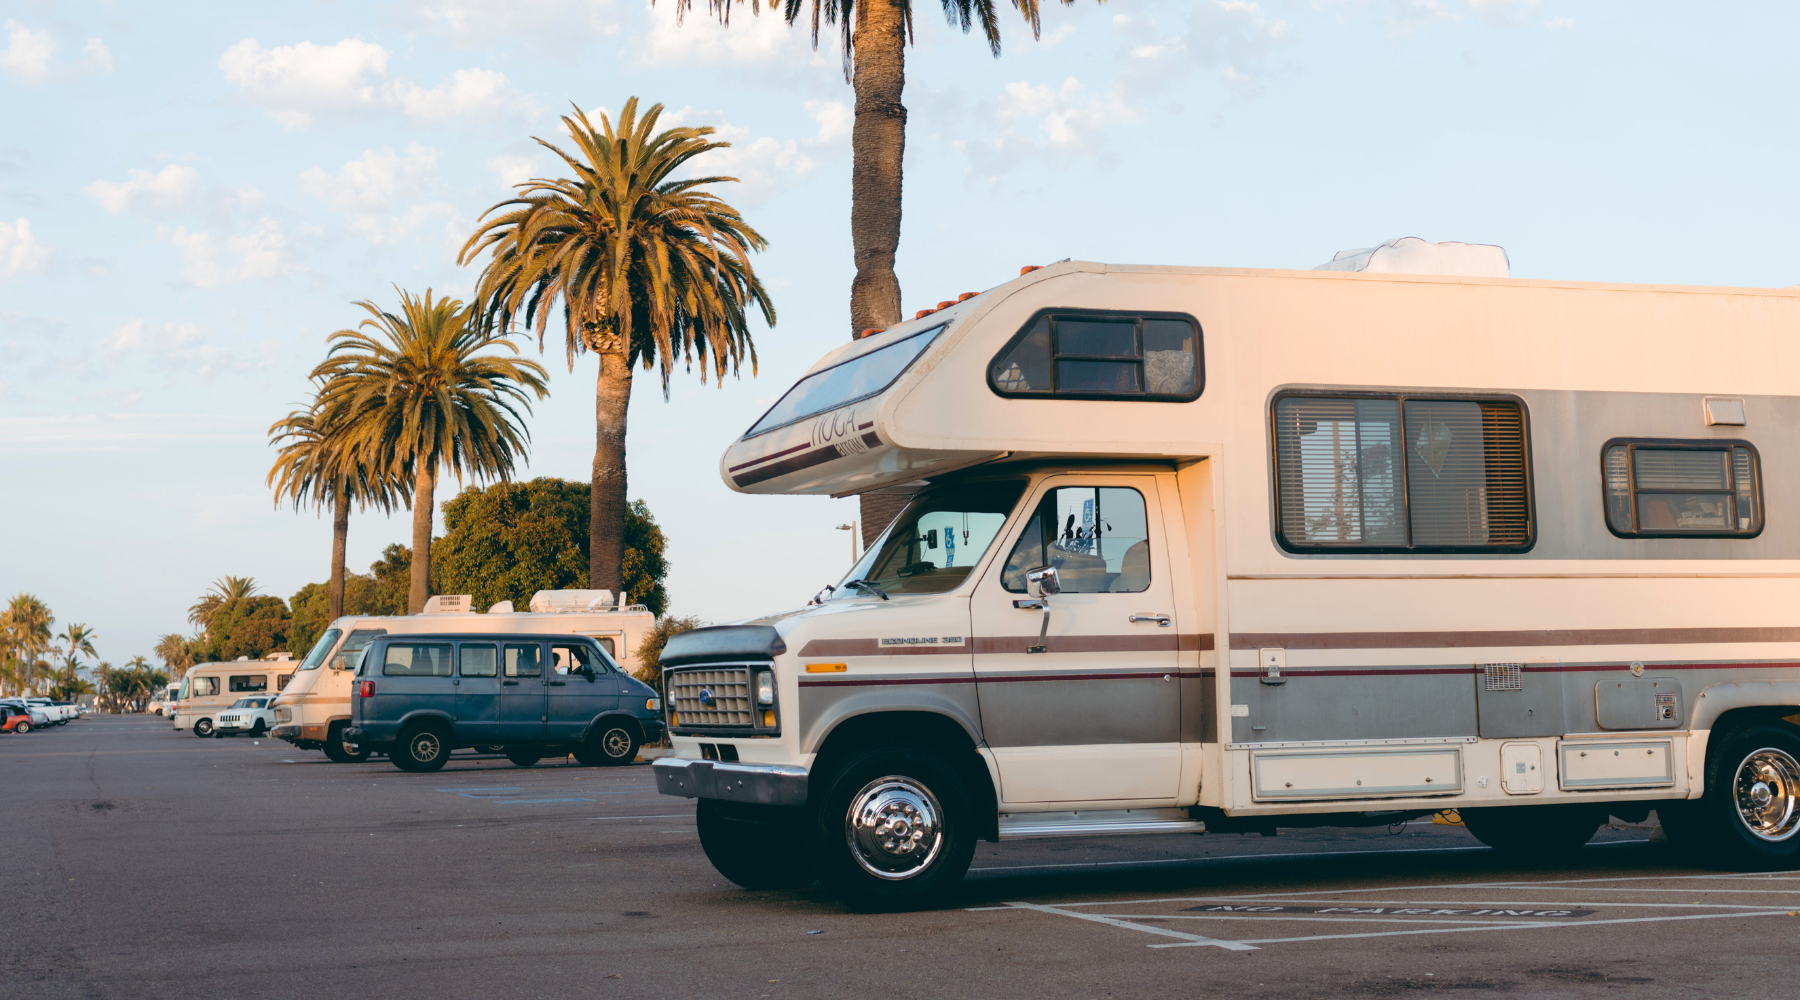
(561, 25)
(210, 261)
(20, 250)
(1560, 24)
(172, 187)
(1232, 38)
(27, 54)
(121, 431)
(296, 83)
(1505, 13)
(175, 347)
(513, 169)
(1037, 121)
(761, 40)
(765, 164)
(371, 190)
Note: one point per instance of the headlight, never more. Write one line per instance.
(653, 704)
(765, 688)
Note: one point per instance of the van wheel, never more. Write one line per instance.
(1533, 831)
(523, 758)
(492, 748)
(340, 752)
(1749, 817)
(612, 744)
(758, 847)
(203, 728)
(420, 750)
(894, 829)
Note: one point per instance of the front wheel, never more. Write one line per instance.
(758, 847)
(421, 750)
(203, 728)
(259, 729)
(1534, 831)
(612, 744)
(340, 752)
(894, 829)
(1749, 817)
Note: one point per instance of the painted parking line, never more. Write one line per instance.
(1227, 857)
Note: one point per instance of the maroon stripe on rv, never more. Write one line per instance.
(864, 427)
(818, 456)
(871, 439)
(1532, 637)
(770, 457)
(991, 645)
(1531, 668)
(997, 679)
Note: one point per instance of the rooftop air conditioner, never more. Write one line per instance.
(501, 608)
(563, 601)
(1411, 255)
(448, 604)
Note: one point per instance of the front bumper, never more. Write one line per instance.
(761, 784)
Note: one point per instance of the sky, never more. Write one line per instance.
(192, 197)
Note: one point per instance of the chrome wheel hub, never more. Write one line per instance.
(616, 743)
(895, 827)
(1767, 793)
(425, 746)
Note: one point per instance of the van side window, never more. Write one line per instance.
(522, 661)
(408, 659)
(1102, 355)
(573, 659)
(1396, 474)
(1098, 538)
(1682, 489)
(477, 661)
(249, 682)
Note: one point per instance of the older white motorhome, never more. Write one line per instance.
(1226, 549)
(207, 688)
(313, 711)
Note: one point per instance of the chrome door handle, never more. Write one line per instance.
(1161, 620)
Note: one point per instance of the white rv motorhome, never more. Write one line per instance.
(1204, 549)
(313, 711)
(208, 688)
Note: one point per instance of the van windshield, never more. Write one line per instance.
(859, 378)
(320, 648)
(936, 541)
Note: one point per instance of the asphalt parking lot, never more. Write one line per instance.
(143, 863)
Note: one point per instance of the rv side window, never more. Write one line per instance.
(1102, 356)
(1396, 474)
(204, 687)
(1682, 489)
(250, 682)
(281, 682)
(416, 660)
(1098, 538)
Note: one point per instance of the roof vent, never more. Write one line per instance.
(502, 608)
(448, 604)
(279, 654)
(1411, 255)
(564, 601)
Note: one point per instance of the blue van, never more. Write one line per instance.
(418, 697)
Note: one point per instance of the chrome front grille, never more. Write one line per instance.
(711, 696)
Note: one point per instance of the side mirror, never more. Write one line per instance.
(931, 539)
(1043, 581)
(341, 661)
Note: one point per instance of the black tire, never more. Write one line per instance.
(1548, 832)
(1718, 828)
(203, 728)
(259, 729)
(611, 744)
(758, 847)
(421, 749)
(340, 752)
(889, 788)
(491, 748)
(523, 758)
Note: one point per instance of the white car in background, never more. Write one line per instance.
(59, 714)
(251, 716)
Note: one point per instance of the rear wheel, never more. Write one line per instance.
(610, 745)
(1534, 831)
(1749, 817)
(421, 749)
(894, 829)
(758, 847)
(203, 728)
(23, 727)
(337, 750)
(523, 758)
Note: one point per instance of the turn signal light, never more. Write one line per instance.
(653, 704)
(366, 689)
(768, 718)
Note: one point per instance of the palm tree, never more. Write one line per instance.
(26, 629)
(80, 639)
(176, 653)
(875, 33)
(321, 465)
(418, 393)
(225, 591)
(646, 267)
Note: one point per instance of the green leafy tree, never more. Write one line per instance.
(250, 626)
(647, 268)
(25, 628)
(650, 647)
(225, 590)
(419, 393)
(511, 540)
(364, 594)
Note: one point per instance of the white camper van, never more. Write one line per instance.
(208, 688)
(1228, 549)
(313, 711)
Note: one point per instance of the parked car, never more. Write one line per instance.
(21, 718)
(418, 697)
(246, 715)
(59, 712)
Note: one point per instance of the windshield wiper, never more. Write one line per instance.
(866, 585)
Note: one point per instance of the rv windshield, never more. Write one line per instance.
(858, 378)
(320, 648)
(936, 541)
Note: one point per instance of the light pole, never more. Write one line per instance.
(851, 528)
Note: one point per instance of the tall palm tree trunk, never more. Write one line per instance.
(340, 538)
(423, 505)
(606, 503)
(878, 144)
